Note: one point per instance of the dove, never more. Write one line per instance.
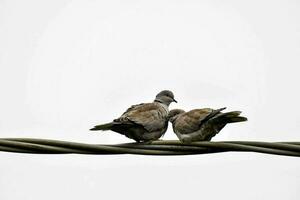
(143, 122)
(201, 124)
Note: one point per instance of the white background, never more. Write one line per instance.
(68, 65)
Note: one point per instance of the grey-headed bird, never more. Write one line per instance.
(143, 122)
(201, 124)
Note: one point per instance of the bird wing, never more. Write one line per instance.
(132, 108)
(191, 121)
(151, 116)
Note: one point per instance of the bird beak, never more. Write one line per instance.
(174, 101)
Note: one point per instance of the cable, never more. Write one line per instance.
(160, 147)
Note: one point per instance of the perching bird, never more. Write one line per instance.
(143, 122)
(201, 124)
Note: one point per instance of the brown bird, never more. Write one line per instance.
(143, 122)
(201, 124)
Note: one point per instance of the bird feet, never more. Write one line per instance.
(146, 142)
(186, 139)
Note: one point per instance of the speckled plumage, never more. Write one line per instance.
(201, 124)
(143, 122)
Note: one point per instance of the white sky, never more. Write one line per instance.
(68, 65)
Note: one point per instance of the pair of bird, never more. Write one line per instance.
(147, 122)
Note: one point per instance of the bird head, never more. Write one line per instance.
(173, 114)
(165, 97)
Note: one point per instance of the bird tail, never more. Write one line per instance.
(219, 121)
(213, 114)
(103, 127)
(231, 117)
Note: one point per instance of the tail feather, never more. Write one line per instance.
(231, 117)
(232, 113)
(220, 109)
(218, 122)
(238, 119)
(103, 127)
(213, 114)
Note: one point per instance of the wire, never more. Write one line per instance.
(160, 147)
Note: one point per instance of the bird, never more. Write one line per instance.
(201, 124)
(143, 122)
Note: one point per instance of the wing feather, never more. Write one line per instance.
(191, 121)
(151, 116)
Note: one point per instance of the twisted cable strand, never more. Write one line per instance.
(45, 146)
(249, 146)
(161, 147)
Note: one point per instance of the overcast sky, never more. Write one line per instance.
(68, 65)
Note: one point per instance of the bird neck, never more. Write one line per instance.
(164, 106)
(162, 102)
(173, 119)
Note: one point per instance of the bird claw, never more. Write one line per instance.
(185, 139)
(146, 142)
